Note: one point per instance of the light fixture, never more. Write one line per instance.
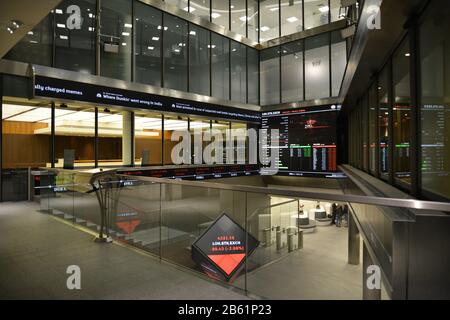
(407, 54)
(150, 48)
(59, 11)
(265, 28)
(30, 33)
(181, 44)
(63, 37)
(231, 7)
(10, 30)
(189, 9)
(128, 25)
(324, 8)
(124, 44)
(192, 33)
(215, 15)
(91, 29)
(90, 15)
(155, 38)
(126, 34)
(165, 28)
(211, 46)
(244, 18)
(176, 50)
(60, 25)
(292, 19)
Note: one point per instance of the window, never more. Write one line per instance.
(269, 20)
(114, 135)
(200, 8)
(338, 61)
(238, 16)
(373, 107)
(316, 13)
(221, 13)
(238, 72)
(291, 17)
(402, 114)
(317, 67)
(253, 76)
(197, 128)
(75, 39)
(252, 20)
(116, 38)
(292, 72)
(36, 46)
(336, 12)
(182, 4)
(364, 129)
(147, 28)
(383, 122)
(148, 138)
(171, 124)
(270, 76)
(175, 53)
(220, 66)
(435, 97)
(199, 77)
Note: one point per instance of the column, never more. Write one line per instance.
(128, 138)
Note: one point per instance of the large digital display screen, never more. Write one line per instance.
(78, 91)
(307, 140)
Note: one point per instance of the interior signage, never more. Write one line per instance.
(78, 91)
(222, 249)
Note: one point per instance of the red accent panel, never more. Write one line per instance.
(128, 226)
(227, 262)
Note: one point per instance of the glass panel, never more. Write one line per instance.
(111, 136)
(220, 13)
(269, 20)
(238, 72)
(197, 128)
(240, 142)
(75, 39)
(182, 4)
(383, 121)
(36, 46)
(292, 72)
(74, 133)
(148, 138)
(269, 76)
(200, 8)
(199, 77)
(373, 107)
(238, 16)
(316, 13)
(26, 143)
(253, 75)
(175, 53)
(222, 126)
(253, 20)
(338, 61)
(435, 101)
(335, 11)
(365, 132)
(171, 124)
(220, 66)
(317, 67)
(291, 17)
(116, 39)
(402, 114)
(147, 27)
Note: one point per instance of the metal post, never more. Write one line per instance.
(278, 237)
(353, 241)
(52, 136)
(368, 292)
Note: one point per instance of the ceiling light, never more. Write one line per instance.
(324, 9)
(165, 28)
(30, 33)
(189, 9)
(265, 28)
(155, 38)
(10, 30)
(215, 15)
(33, 41)
(192, 33)
(274, 9)
(211, 46)
(407, 54)
(90, 15)
(232, 7)
(126, 34)
(124, 44)
(150, 48)
(292, 19)
(128, 25)
(60, 25)
(91, 28)
(63, 37)
(59, 11)
(176, 50)
(244, 18)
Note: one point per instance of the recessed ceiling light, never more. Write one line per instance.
(124, 44)
(126, 34)
(192, 33)
(176, 50)
(155, 38)
(211, 46)
(215, 15)
(128, 25)
(324, 9)
(30, 33)
(265, 28)
(292, 19)
(59, 11)
(407, 54)
(63, 37)
(60, 25)
(150, 48)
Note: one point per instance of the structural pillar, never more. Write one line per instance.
(371, 291)
(354, 241)
(128, 138)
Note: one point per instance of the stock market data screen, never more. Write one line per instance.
(307, 140)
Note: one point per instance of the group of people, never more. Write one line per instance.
(339, 215)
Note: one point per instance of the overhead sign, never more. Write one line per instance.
(78, 91)
(222, 249)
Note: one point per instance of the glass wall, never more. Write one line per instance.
(238, 72)
(238, 16)
(252, 19)
(200, 8)
(221, 13)
(402, 112)
(317, 67)
(336, 12)
(269, 20)
(269, 76)
(292, 72)
(199, 77)
(365, 133)
(147, 28)
(175, 53)
(110, 135)
(383, 122)
(373, 107)
(148, 139)
(116, 39)
(291, 17)
(220, 66)
(435, 101)
(75, 36)
(172, 123)
(316, 13)
(253, 76)
(338, 61)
